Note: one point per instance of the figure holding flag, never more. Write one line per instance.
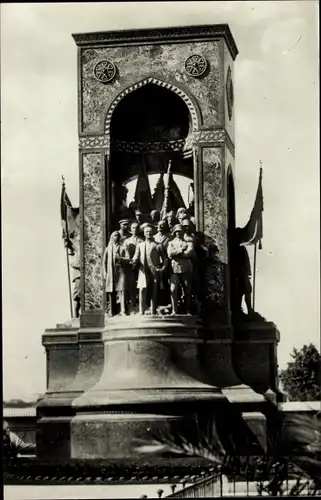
(251, 234)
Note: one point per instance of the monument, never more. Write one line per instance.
(161, 333)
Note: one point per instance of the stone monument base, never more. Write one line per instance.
(141, 374)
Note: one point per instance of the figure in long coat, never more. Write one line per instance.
(114, 271)
(152, 261)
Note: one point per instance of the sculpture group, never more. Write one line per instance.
(151, 267)
(157, 262)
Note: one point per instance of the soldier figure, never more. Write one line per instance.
(180, 254)
(190, 237)
(123, 230)
(242, 273)
(170, 218)
(152, 261)
(114, 262)
(139, 216)
(130, 247)
(181, 215)
(161, 237)
(154, 217)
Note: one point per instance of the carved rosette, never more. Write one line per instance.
(214, 225)
(93, 233)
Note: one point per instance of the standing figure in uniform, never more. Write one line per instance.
(162, 238)
(123, 230)
(152, 261)
(241, 270)
(132, 274)
(114, 262)
(181, 214)
(190, 238)
(154, 218)
(180, 253)
(171, 221)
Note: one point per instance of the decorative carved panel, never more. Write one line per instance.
(93, 203)
(214, 223)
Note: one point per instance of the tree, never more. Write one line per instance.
(302, 377)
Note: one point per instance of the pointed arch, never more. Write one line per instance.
(192, 106)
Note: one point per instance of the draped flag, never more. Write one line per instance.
(252, 233)
(65, 210)
(143, 195)
(175, 196)
(65, 206)
(159, 193)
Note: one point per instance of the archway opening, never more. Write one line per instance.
(150, 133)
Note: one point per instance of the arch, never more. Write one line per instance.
(193, 109)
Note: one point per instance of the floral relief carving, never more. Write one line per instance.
(93, 244)
(214, 225)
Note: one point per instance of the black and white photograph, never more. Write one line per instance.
(160, 182)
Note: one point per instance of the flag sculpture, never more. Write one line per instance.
(252, 233)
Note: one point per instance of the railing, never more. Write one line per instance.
(219, 486)
(212, 486)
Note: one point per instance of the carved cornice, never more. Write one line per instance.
(158, 35)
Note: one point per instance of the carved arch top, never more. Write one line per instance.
(195, 118)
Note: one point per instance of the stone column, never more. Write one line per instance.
(210, 151)
(93, 159)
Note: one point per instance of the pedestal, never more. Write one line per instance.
(255, 355)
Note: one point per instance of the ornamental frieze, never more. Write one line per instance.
(92, 142)
(208, 136)
(197, 137)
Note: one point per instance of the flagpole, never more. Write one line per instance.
(69, 284)
(67, 258)
(254, 276)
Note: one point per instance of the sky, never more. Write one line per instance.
(276, 121)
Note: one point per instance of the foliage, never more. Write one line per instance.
(294, 452)
(302, 377)
(20, 403)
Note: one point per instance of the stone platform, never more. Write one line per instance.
(111, 387)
